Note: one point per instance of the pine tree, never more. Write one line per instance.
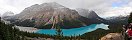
(130, 18)
(59, 33)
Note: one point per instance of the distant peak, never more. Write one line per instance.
(87, 13)
(35, 5)
(53, 4)
(8, 13)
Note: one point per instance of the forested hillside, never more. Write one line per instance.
(8, 32)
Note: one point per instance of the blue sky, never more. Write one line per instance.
(120, 3)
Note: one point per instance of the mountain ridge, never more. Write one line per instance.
(50, 15)
(87, 13)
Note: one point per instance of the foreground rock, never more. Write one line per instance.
(113, 36)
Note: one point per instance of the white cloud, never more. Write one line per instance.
(117, 11)
(101, 7)
(16, 6)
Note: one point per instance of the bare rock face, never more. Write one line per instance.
(113, 36)
(51, 15)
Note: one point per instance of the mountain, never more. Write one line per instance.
(90, 14)
(52, 15)
(117, 20)
(87, 13)
(7, 14)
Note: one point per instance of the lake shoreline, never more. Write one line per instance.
(66, 32)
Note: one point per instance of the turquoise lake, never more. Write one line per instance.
(74, 31)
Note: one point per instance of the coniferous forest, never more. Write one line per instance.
(8, 32)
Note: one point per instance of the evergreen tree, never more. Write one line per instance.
(59, 33)
(130, 18)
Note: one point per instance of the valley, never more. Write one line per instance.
(53, 21)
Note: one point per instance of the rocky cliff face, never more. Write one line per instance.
(113, 36)
(51, 15)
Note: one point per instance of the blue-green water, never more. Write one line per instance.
(74, 31)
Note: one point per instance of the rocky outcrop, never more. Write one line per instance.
(113, 36)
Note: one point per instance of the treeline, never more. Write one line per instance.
(130, 18)
(8, 32)
(113, 28)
